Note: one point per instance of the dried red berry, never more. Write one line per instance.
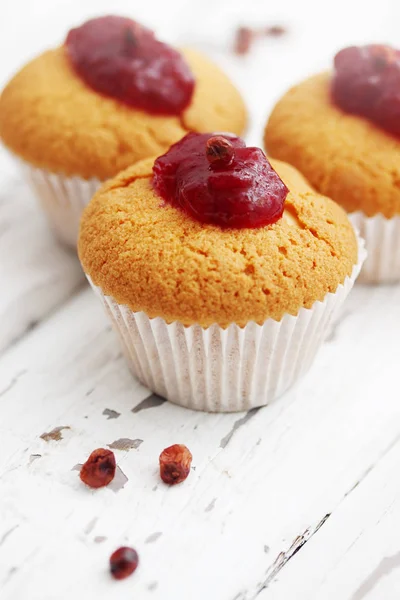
(123, 562)
(243, 40)
(99, 469)
(383, 56)
(246, 36)
(219, 151)
(275, 30)
(175, 464)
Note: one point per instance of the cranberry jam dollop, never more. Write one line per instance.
(118, 57)
(366, 82)
(216, 179)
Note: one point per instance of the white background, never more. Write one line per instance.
(318, 470)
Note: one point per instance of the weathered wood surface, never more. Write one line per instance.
(298, 500)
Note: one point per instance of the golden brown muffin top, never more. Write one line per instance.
(155, 258)
(344, 156)
(52, 119)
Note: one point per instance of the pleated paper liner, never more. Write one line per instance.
(382, 242)
(225, 370)
(62, 199)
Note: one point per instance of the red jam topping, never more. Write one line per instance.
(367, 82)
(120, 58)
(217, 179)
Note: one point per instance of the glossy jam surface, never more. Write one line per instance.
(220, 181)
(367, 82)
(118, 57)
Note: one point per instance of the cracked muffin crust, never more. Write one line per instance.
(50, 118)
(344, 156)
(153, 257)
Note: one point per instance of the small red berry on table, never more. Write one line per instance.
(99, 469)
(123, 562)
(175, 464)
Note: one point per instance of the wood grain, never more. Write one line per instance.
(298, 500)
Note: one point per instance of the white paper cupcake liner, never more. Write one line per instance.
(225, 370)
(382, 241)
(62, 199)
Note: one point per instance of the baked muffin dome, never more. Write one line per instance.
(345, 156)
(50, 118)
(153, 257)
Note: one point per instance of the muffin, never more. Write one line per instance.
(111, 95)
(220, 273)
(341, 130)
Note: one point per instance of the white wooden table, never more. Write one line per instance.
(299, 500)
